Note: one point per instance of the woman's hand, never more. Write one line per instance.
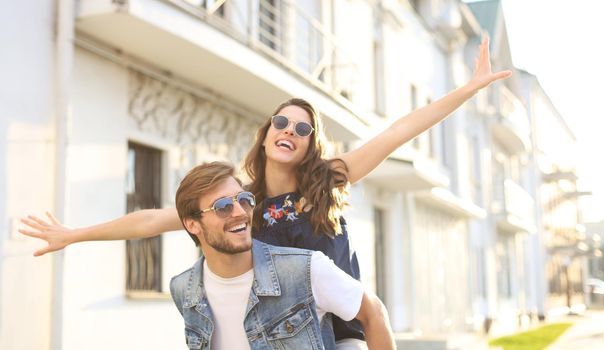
(54, 233)
(483, 76)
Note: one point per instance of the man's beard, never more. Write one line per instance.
(219, 241)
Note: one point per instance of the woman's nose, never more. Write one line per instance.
(290, 127)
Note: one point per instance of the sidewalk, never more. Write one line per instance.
(587, 333)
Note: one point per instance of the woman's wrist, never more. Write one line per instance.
(76, 235)
(471, 88)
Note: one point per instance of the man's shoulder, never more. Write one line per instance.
(183, 275)
(278, 250)
(182, 278)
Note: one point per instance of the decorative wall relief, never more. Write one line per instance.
(199, 127)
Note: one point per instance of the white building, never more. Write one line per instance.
(560, 243)
(595, 270)
(422, 200)
(101, 92)
(505, 143)
(107, 104)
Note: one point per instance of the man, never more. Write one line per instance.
(245, 294)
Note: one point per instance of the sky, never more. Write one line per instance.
(562, 43)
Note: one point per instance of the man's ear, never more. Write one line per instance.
(192, 226)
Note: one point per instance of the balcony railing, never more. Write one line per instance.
(514, 203)
(287, 33)
(512, 119)
(511, 108)
(517, 201)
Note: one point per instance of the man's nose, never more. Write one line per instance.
(238, 209)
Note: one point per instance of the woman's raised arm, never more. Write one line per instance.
(364, 159)
(139, 224)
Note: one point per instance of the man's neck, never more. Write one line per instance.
(228, 265)
(279, 179)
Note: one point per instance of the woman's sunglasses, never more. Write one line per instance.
(223, 207)
(281, 122)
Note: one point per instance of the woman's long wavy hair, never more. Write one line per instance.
(323, 183)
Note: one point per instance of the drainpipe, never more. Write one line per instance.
(63, 57)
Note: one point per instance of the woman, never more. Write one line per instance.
(301, 194)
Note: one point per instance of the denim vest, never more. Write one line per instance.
(280, 312)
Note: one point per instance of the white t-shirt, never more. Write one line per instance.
(333, 289)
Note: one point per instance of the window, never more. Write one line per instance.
(143, 191)
(413, 97)
(269, 24)
(307, 37)
(413, 100)
(446, 142)
(378, 65)
(433, 133)
(503, 251)
(475, 170)
(380, 253)
(215, 6)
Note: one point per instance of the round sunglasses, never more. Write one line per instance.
(281, 122)
(223, 207)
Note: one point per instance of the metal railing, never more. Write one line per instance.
(293, 36)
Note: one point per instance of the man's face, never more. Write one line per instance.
(230, 235)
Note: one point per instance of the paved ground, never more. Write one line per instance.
(587, 333)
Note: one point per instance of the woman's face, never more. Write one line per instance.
(285, 146)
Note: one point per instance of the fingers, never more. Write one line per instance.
(485, 40)
(503, 74)
(43, 251)
(31, 233)
(33, 224)
(38, 220)
(482, 63)
(52, 218)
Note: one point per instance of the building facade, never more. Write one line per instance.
(110, 103)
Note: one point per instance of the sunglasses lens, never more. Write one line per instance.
(303, 129)
(280, 122)
(246, 200)
(223, 207)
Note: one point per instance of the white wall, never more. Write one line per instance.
(397, 260)
(26, 169)
(359, 219)
(94, 300)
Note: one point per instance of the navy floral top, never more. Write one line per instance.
(286, 224)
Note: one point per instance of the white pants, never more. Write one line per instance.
(351, 344)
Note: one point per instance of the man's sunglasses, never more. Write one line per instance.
(223, 207)
(281, 122)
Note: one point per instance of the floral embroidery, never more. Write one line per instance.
(282, 211)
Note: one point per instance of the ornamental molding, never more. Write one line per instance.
(201, 128)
